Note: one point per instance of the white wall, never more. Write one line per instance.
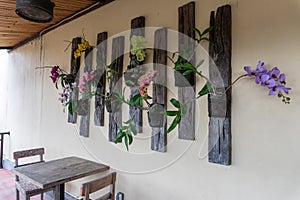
(265, 131)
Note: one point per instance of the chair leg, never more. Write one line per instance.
(42, 196)
(17, 195)
(27, 197)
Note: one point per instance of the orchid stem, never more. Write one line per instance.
(230, 86)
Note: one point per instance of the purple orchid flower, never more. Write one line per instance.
(281, 79)
(271, 79)
(258, 72)
(274, 72)
(54, 73)
(267, 81)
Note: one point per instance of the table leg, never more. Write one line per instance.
(59, 193)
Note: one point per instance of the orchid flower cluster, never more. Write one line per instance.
(272, 79)
(67, 83)
(83, 46)
(144, 82)
(138, 44)
(87, 76)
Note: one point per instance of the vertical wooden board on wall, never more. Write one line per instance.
(74, 69)
(101, 77)
(186, 23)
(137, 28)
(219, 104)
(84, 127)
(159, 134)
(115, 118)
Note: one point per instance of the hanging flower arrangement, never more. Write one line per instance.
(274, 80)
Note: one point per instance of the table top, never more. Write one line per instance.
(56, 172)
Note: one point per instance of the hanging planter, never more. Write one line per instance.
(69, 79)
(82, 107)
(183, 80)
(155, 115)
(112, 104)
(132, 74)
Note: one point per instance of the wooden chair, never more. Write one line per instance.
(98, 184)
(22, 186)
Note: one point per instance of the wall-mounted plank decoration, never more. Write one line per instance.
(186, 20)
(159, 134)
(137, 28)
(219, 105)
(101, 63)
(75, 65)
(115, 86)
(85, 119)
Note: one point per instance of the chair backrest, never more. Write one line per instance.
(29, 153)
(98, 184)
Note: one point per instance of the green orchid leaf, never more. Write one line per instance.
(200, 63)
(126, 142)
(187, 72)
(171, 113)
(174, 123)
(175, 103)
(209, 29)
(134, 100)
(140, 102)
(119, 137)
(197, 31)
(70, 108)
(130, 138)
(123, 128)
(187, 65)
(133, 129)
(204, 90)
(127, 122)
(207, 39)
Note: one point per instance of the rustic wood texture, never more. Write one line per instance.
(159, 134)
(186, 23)
(137, 28)
(219, 104)
(53, 173)
(99, 184)
(15, 30)
(74, 69)
(84, 127)
(101, 72)
(115, 86)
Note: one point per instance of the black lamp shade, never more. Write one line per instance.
(35, 10)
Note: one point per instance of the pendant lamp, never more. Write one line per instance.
(40, 11)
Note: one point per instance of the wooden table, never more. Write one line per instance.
(56, 173)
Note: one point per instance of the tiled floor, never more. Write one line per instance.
(7, 186)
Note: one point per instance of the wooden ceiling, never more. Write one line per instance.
(16, 31)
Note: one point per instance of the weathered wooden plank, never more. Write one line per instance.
(219, 104)
(137, 28)
(115, 118)
(159, 134)
(186, 23)
(101, 63)
(84, 127)
(74, 69)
